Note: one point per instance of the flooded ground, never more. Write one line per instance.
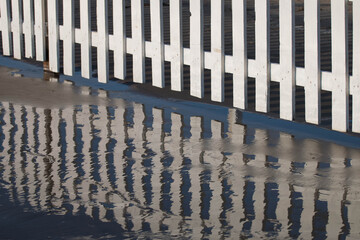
(86, 163)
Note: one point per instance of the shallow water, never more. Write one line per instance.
(135, 171)
(141, 167)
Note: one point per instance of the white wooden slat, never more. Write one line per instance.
(85, 38)
(312, 61)
(28, 28)
(287, 58)
(176, 45)
(300, 76)
(5, 27)
(156, 19)
(217, 50)
(16, 28)
(240, 66)
(262, 48)
(103, 39)
(53, 35)
(196, 49)
(69, 37)
(138, 38)
(355, 86)
(276, 71)
(39, 30)
(119, 34)
(340, 65)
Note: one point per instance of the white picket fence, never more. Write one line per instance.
(20, 21)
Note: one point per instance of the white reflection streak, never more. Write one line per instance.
(43, 196)
(71, 174)
(258, 178)
(30, 166)
(136, 133)
(54, 161)
(118, 131)
(215, 158)
(100, 123)
(154, 138)
(236, 179)
(354, 212)
(7, 147)
(334, 195)
(192, 151)
(18, 159)
(173, 144)
(283, 174)
(83, 118)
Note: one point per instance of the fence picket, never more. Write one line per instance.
(196, 48)
(239, 54)
(312, 61)
(39, 30)
(53, 35)
(176, 39)
(157, 38)
(69, 37)
(356, 68)
(137, 28)
(262, 48)
(340, 85)
(29, 28)
(119, 43)
(18, 22)
(16, 28)
(287, 58)
(85, 25)
(5, 27)
(217, 50)
(103, 41)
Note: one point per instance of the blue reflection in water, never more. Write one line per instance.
(131, 170)
(295, 211)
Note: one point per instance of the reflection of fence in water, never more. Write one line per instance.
(155, 169)
(206, 37)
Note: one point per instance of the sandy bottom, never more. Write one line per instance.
(35, 91)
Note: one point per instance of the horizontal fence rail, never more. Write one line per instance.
(25, 23)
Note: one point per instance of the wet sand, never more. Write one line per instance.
(36, 92)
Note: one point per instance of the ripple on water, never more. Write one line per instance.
(135, 171)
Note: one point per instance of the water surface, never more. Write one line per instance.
(142, 167)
